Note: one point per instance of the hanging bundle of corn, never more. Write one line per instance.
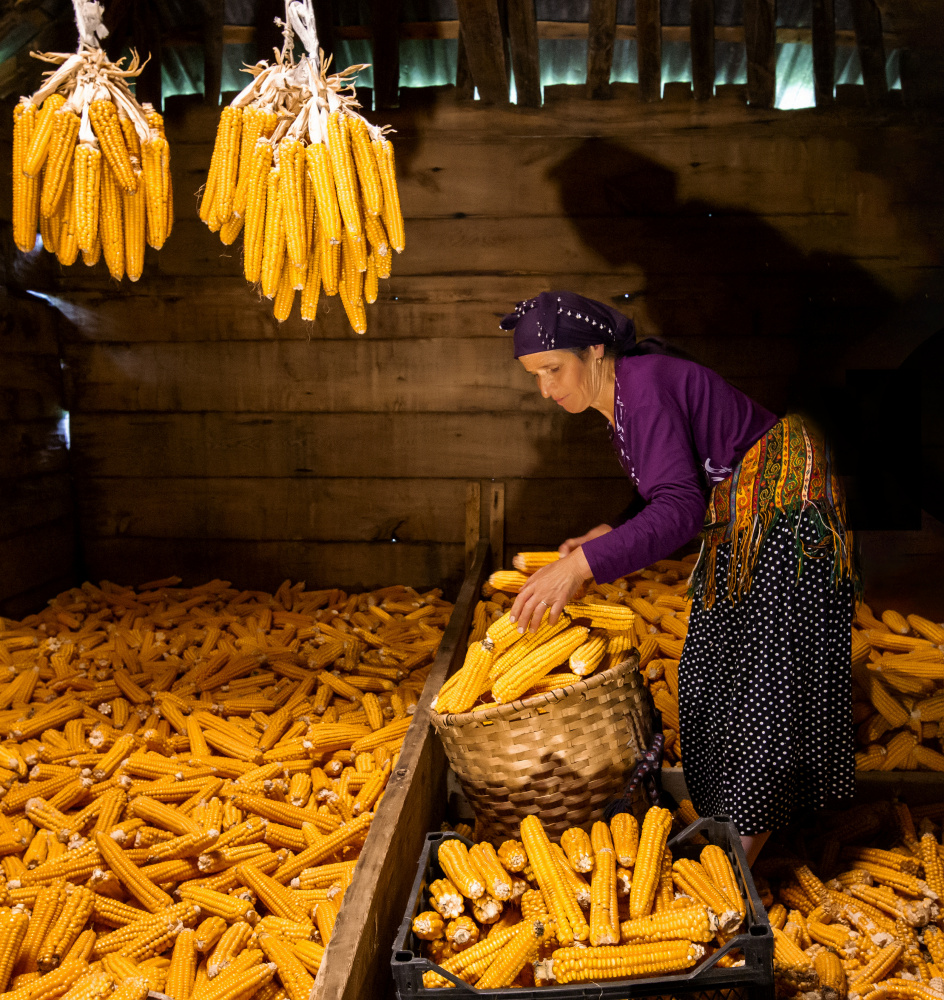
(311, 181)
(91, 166)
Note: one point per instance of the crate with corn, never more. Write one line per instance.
(188, 778)
(308, 181)
(611, 904)
(91, 166)
(859, 915)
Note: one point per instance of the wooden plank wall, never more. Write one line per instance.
(37, 524)
(782, 248)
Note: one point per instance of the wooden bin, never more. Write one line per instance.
(357, 960)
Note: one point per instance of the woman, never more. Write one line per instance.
(765, 677)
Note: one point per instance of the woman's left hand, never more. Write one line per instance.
(549, 589)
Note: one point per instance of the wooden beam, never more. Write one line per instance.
(760, 39)
(324, 24)
(146, 34)
(485, 47)
(212, 51)
(703, 48)
(867, 22)
(601, 32)
(245, 34)
(649, 48)
(385, 21)
(465, 87)
(525, 59)
(824, 51)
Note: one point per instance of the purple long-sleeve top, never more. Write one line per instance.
(679, 428)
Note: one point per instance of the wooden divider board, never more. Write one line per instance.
(357, 960)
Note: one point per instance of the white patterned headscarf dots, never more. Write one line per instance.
(561, 320)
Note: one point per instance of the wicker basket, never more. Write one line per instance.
(562, 755)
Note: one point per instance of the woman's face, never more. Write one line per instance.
(565, 377)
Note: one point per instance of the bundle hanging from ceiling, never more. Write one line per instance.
(91, 166)
(307, 180)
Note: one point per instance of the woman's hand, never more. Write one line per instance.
(575, 543)
(549, 589)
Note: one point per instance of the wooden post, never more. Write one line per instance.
(496, 522)
(465, 88)
(649, 48)
(523, 34)
(473, 521)
(385, 21)
(212, 51)
(824, 52)
(760, 38)
(703, 49)
(146, 34)
(485, 48)
(867, 21)
(601, 31)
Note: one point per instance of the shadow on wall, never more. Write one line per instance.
(735, 294)
(722, 283)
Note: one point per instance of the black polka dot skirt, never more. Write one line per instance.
(765, 690)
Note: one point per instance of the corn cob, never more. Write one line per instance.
(622, 961)
(615, 617)
(691, 923)
(428, 925)
(625, 831)
(530, 562)
(719, 870)
(456, 863)
(604, 906)
(569, 921)
(521, 948)
(652, 841)
(539, 662)
(578, 848)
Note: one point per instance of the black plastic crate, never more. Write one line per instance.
(753, 981)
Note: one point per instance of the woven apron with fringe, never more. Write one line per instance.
(765, 699)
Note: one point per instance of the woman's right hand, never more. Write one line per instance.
(574, 543)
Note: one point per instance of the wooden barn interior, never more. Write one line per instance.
(172, 426)
(758, 183)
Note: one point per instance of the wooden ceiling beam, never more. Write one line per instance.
(485, 48)
(760, 40)
(649, 48)
(465, 86)
(212, 51)
(525, 58)
(601, 33)
(703, 49)
(385, 23)
(824, 51)
(867, 22)
(245, 34)
(146, 38)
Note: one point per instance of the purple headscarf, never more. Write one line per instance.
(560, 320)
